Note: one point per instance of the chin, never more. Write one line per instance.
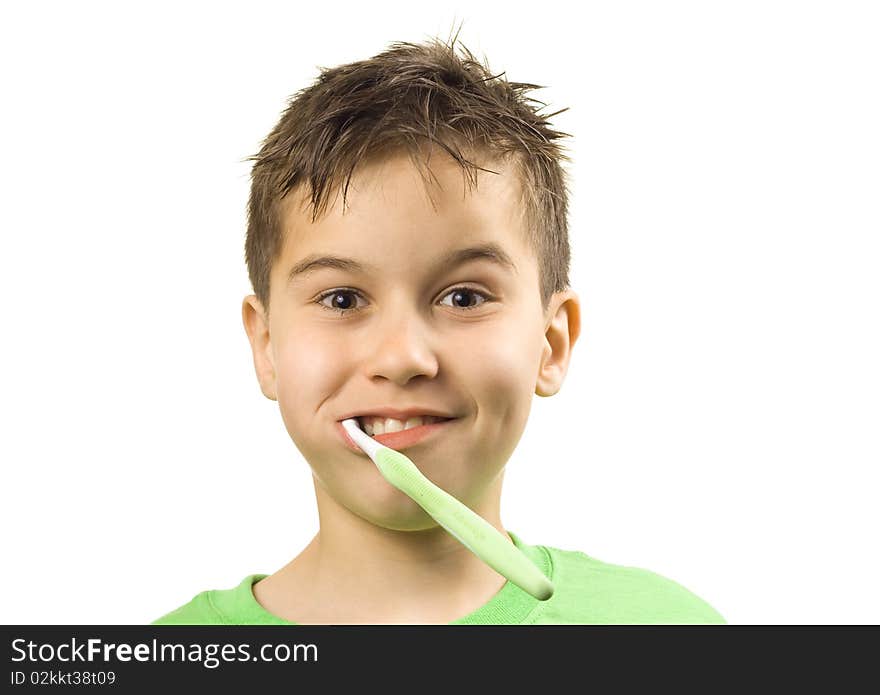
(393, 510)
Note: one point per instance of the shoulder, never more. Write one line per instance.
(598, 591)
(199, 611)
(211, 607)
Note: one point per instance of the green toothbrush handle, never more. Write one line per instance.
(470, 529)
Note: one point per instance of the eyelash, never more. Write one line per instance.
(344, 290)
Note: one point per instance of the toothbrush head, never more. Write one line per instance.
(369, 445)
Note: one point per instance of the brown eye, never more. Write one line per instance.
(461, 298)
(340, 301)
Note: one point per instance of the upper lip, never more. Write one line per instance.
(397, 414)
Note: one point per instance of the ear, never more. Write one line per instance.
(256, 324)
(561, 333)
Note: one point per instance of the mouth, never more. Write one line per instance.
(400, 439)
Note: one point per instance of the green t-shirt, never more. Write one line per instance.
(586, 591)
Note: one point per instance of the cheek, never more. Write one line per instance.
(505, 360)
(502, 373)
(305, 369)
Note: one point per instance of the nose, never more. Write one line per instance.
(401, 348)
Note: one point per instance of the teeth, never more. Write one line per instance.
(377, 425)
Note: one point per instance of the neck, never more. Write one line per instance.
(356, 572)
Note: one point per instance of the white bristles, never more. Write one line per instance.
(369, 445)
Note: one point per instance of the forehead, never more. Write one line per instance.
(391, 206)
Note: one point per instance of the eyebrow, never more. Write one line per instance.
(490, 252)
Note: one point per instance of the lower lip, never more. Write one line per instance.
(398, 440)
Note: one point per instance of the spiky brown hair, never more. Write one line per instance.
(406, 97)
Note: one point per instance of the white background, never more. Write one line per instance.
(719, 424)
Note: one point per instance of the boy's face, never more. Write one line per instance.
(469, 340)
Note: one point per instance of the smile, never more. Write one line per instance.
(400, 435)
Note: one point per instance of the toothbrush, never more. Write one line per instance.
(469, 528)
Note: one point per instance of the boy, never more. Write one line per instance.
(437, 286)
